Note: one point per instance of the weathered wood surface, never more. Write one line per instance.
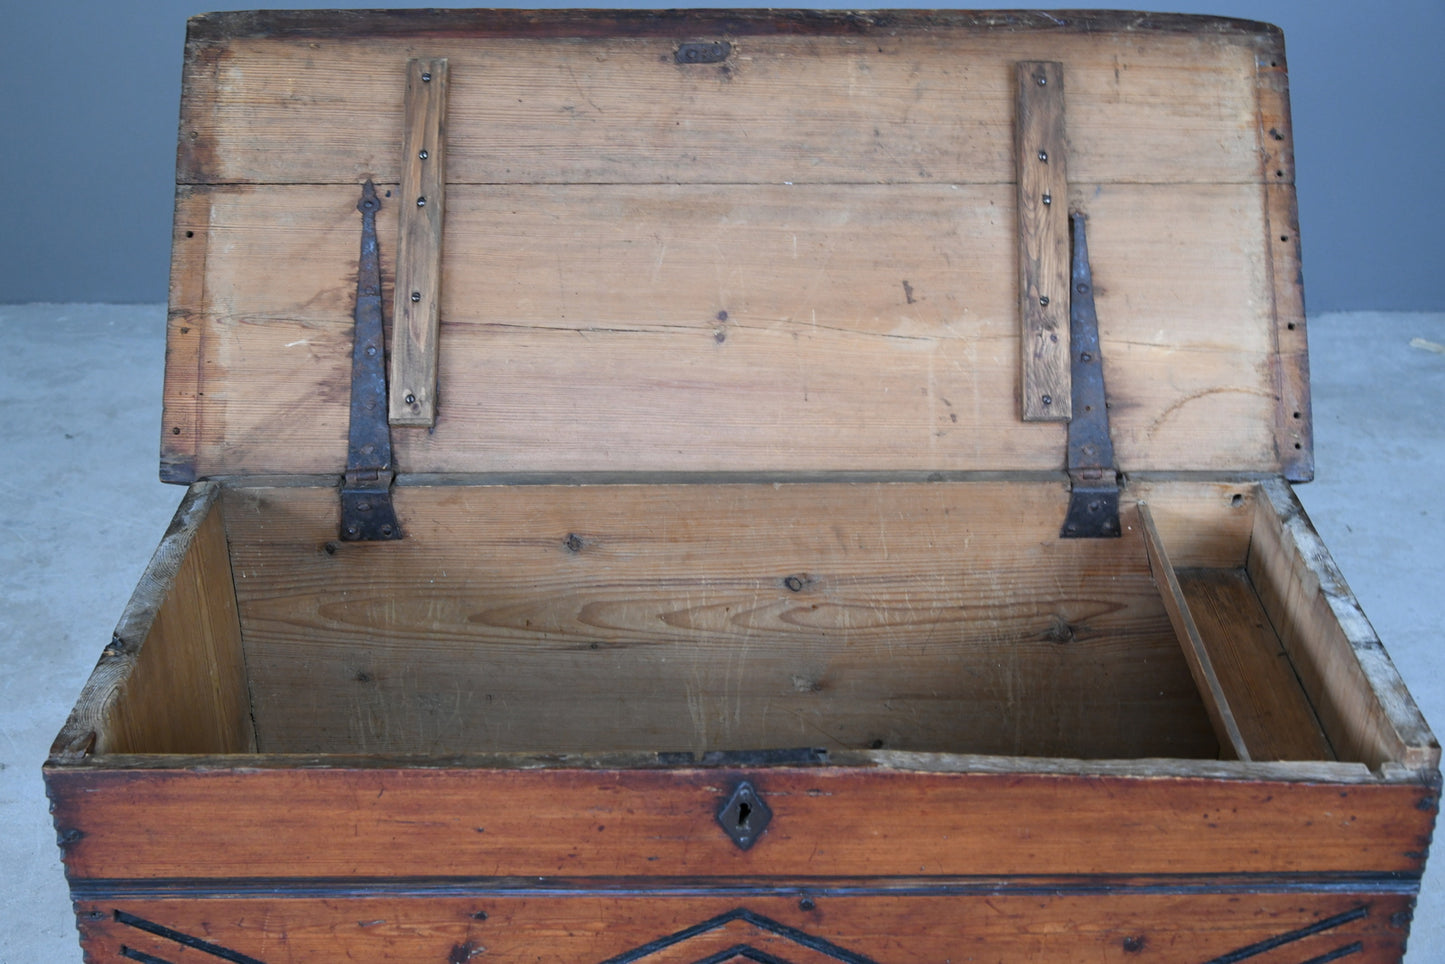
(421, 212)
(1293, 419)
(934, 617)
(721, 328)
(1041, 138)
(1362, 703)
(800, 259)
(926, 102)
(172, 679)
(811, 926)
(319, 823)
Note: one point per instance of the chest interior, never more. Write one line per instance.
(732, 438)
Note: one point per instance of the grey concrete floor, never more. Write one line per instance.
(80, 422)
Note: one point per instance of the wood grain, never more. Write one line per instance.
(1294, 424)
(1044, 259)
(649, 328)
(181, 432)
(696, 617)
(1274, 715)
(1196, 653)
(1204, 523)
(1362, 704)
(422, 205)
(931, 103)
(434, 822)
(597, 926)
(172, 679)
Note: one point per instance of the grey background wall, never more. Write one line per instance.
(89, 119)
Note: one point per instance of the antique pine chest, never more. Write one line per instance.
(736, 487)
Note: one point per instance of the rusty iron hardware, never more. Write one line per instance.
(712, 53)
(1094, 493)
(367, 514)
(744, 815)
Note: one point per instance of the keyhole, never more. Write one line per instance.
(745, 810)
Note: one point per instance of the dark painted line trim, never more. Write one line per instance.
(144, 958)
(185, 940)
(1184, 886)
(1338, 953)
(798, 937)
(1318, 927)
(742, 950)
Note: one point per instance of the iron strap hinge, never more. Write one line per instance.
(367, 514)
(1094, 482)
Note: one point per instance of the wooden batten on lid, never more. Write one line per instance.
(658, 265)
(412, 388)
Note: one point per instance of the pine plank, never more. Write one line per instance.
(924, 103)
(1362, 704)
(1044, 250)
(655, 328)
(597, 925)
(173, 678)
(422, 202)
(697, 617)
(1275, 717)
(434, 821)
(1217, 701)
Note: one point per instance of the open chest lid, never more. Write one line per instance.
(761, 243)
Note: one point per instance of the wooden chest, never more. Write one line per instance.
(842, 509)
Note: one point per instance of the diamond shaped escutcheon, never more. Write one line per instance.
(744, 816)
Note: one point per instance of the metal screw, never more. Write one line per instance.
(1085, 356)
(1048, 199)
(416, 296)
(410, 399)
(794, 584)
(806, 903)
(1044, 300)
(422, 154)
(353, 531)
(1043, 81)
(371, 349)
(426, 78)
(363, 507)
(1048, 399)
(1044, 156)
(386, 530)
(1082, 288)
(421, 202)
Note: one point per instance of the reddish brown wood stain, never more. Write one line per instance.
(874, 929)
(767, 310)
(829, 821)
